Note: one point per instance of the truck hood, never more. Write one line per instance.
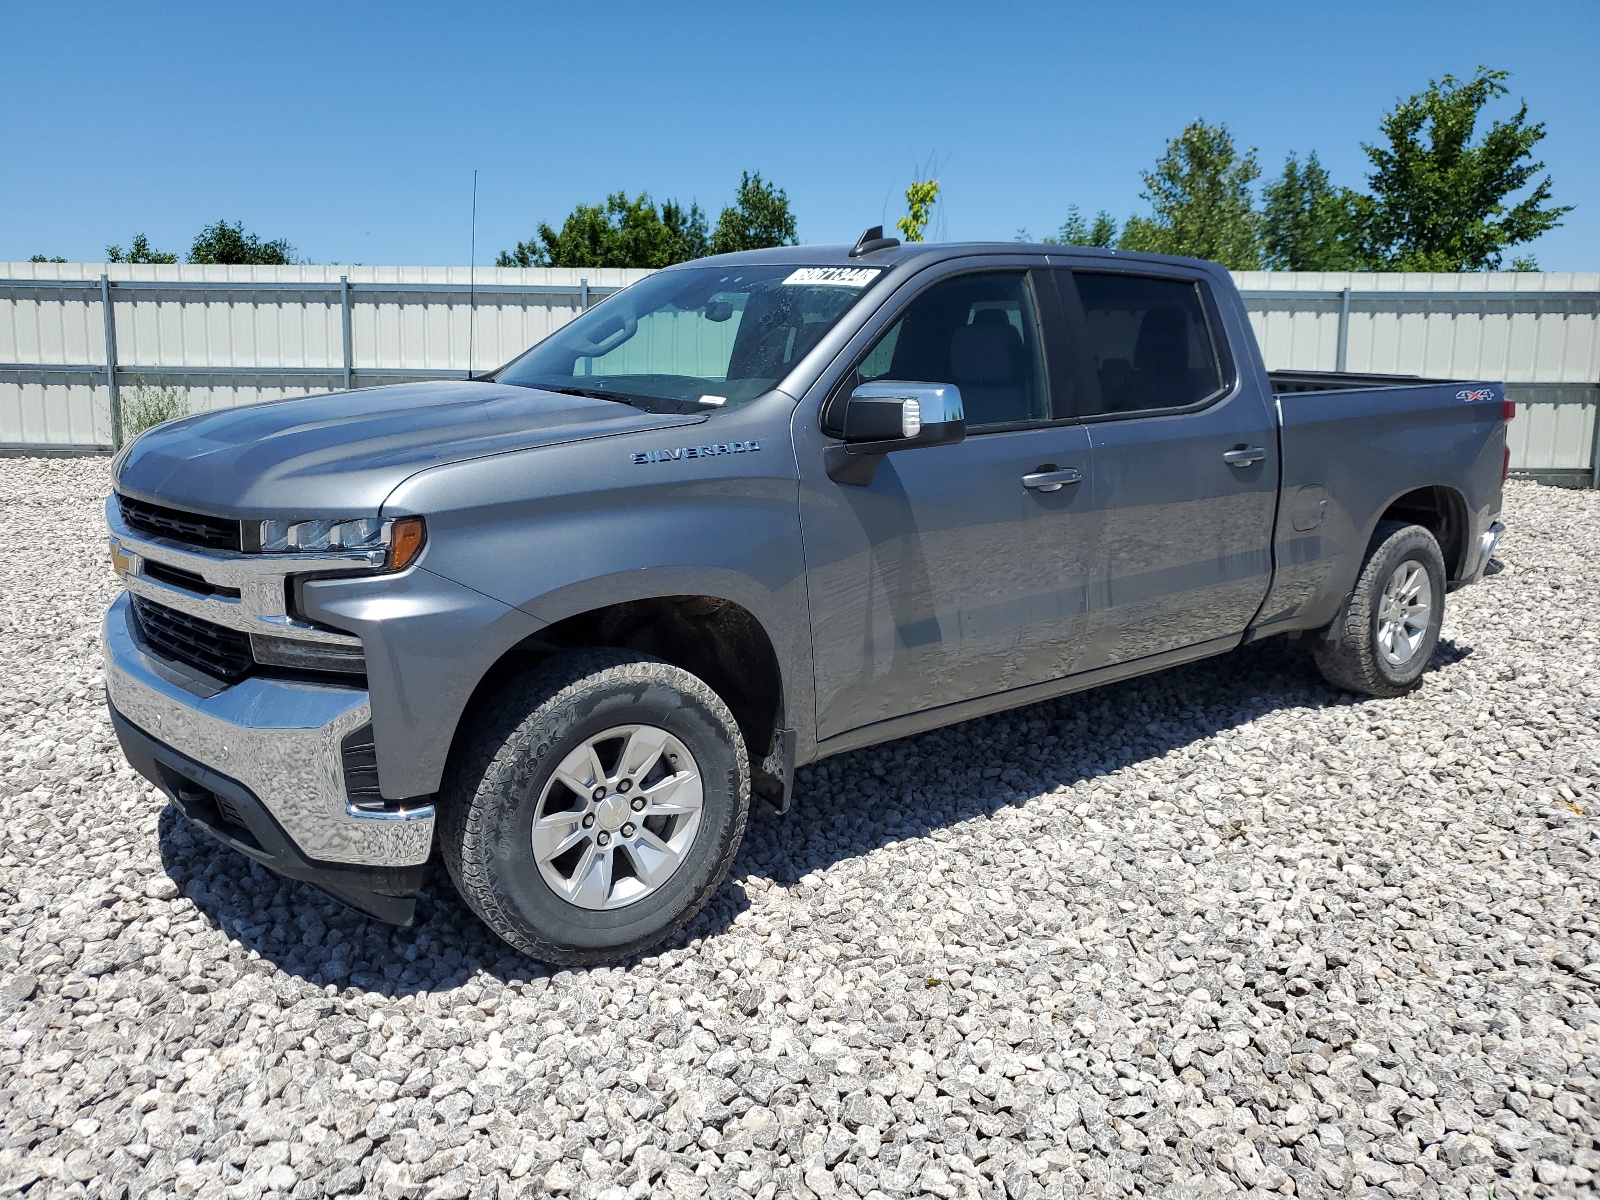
(343, 453)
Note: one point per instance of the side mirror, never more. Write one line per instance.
(885, 416)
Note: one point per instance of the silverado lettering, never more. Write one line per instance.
(645, 456)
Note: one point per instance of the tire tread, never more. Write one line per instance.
(1347, 654)
(495, 760)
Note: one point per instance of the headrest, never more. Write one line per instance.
(985, 354)
(1163, 345)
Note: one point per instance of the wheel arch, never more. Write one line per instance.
(714, 637)
(1442, 511)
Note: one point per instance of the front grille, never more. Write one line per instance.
(214, 649)
(190, 528)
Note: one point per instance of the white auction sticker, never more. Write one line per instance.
(851, 277)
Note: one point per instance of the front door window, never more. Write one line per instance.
(979, 332)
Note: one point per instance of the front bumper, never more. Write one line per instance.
(269, 746)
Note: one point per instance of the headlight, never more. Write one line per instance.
(364, 533)
(401, 537)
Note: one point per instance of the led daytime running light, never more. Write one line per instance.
(296, 537)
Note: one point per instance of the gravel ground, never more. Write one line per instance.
(1223, 929)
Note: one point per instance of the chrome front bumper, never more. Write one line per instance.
(278, 738)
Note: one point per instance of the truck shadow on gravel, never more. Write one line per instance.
(844, 807)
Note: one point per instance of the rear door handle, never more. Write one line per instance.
(1243, 456)
(1051, 480)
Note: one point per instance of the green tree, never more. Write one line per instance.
(42, 258)
(1308, 224)
(224, 243)
(688, 227)
(139, 252)
(1440, 201)
(632, 232)
(1077, 231)
(1201, 201)
(623, 232)
(759, 217)
(921, 196)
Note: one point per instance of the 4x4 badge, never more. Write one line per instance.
(650, 456)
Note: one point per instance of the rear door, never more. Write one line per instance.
(1185, 464)
(949, 578)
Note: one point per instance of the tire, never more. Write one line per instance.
(1363, 650)
(587, 904)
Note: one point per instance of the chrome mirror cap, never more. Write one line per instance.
(889, 415)
(938, 403)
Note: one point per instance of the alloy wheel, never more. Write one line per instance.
(1403, 612)
(618, 816)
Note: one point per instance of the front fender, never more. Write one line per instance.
(428, 642)
(568, 529)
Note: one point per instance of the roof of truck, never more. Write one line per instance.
(928, 252)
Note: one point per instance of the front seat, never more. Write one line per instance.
(988, 364)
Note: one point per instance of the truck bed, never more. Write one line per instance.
(1340, 381)
(1355, 447)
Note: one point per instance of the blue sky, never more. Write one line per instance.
(353, 129)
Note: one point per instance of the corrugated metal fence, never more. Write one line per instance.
(72, 334)
(240, 335)
(1540, 333)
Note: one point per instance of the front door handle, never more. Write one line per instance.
(1048, 479)
(1243, 456)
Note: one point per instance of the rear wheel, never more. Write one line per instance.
(1382, 639)
(596, 806)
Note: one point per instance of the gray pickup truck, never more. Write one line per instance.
(565, 620)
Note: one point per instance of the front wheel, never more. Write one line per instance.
(595, 806)
(1383, 637)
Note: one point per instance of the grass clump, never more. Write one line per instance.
(146, 405)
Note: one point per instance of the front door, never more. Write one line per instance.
(949, 578)
(1185, 467)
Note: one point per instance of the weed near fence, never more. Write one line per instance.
(147, 404)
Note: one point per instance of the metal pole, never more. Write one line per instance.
(1344, 330)
(1594, 444)
(344, 301)
(583, 295)
(111, 361)
(472, 275)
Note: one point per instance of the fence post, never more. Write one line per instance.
(344, 306)
(111, 361)
(1344, 330)
(1594, 446)
(583, 295)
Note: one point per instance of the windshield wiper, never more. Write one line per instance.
(593, 393)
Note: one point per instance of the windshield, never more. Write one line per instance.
(696, 337)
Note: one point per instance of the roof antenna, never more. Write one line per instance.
(472, 270)
(872, 240)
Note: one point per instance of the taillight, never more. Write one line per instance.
(1508, 411)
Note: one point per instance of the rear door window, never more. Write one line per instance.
(1149, 342)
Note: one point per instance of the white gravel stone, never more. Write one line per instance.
(1221, 929)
